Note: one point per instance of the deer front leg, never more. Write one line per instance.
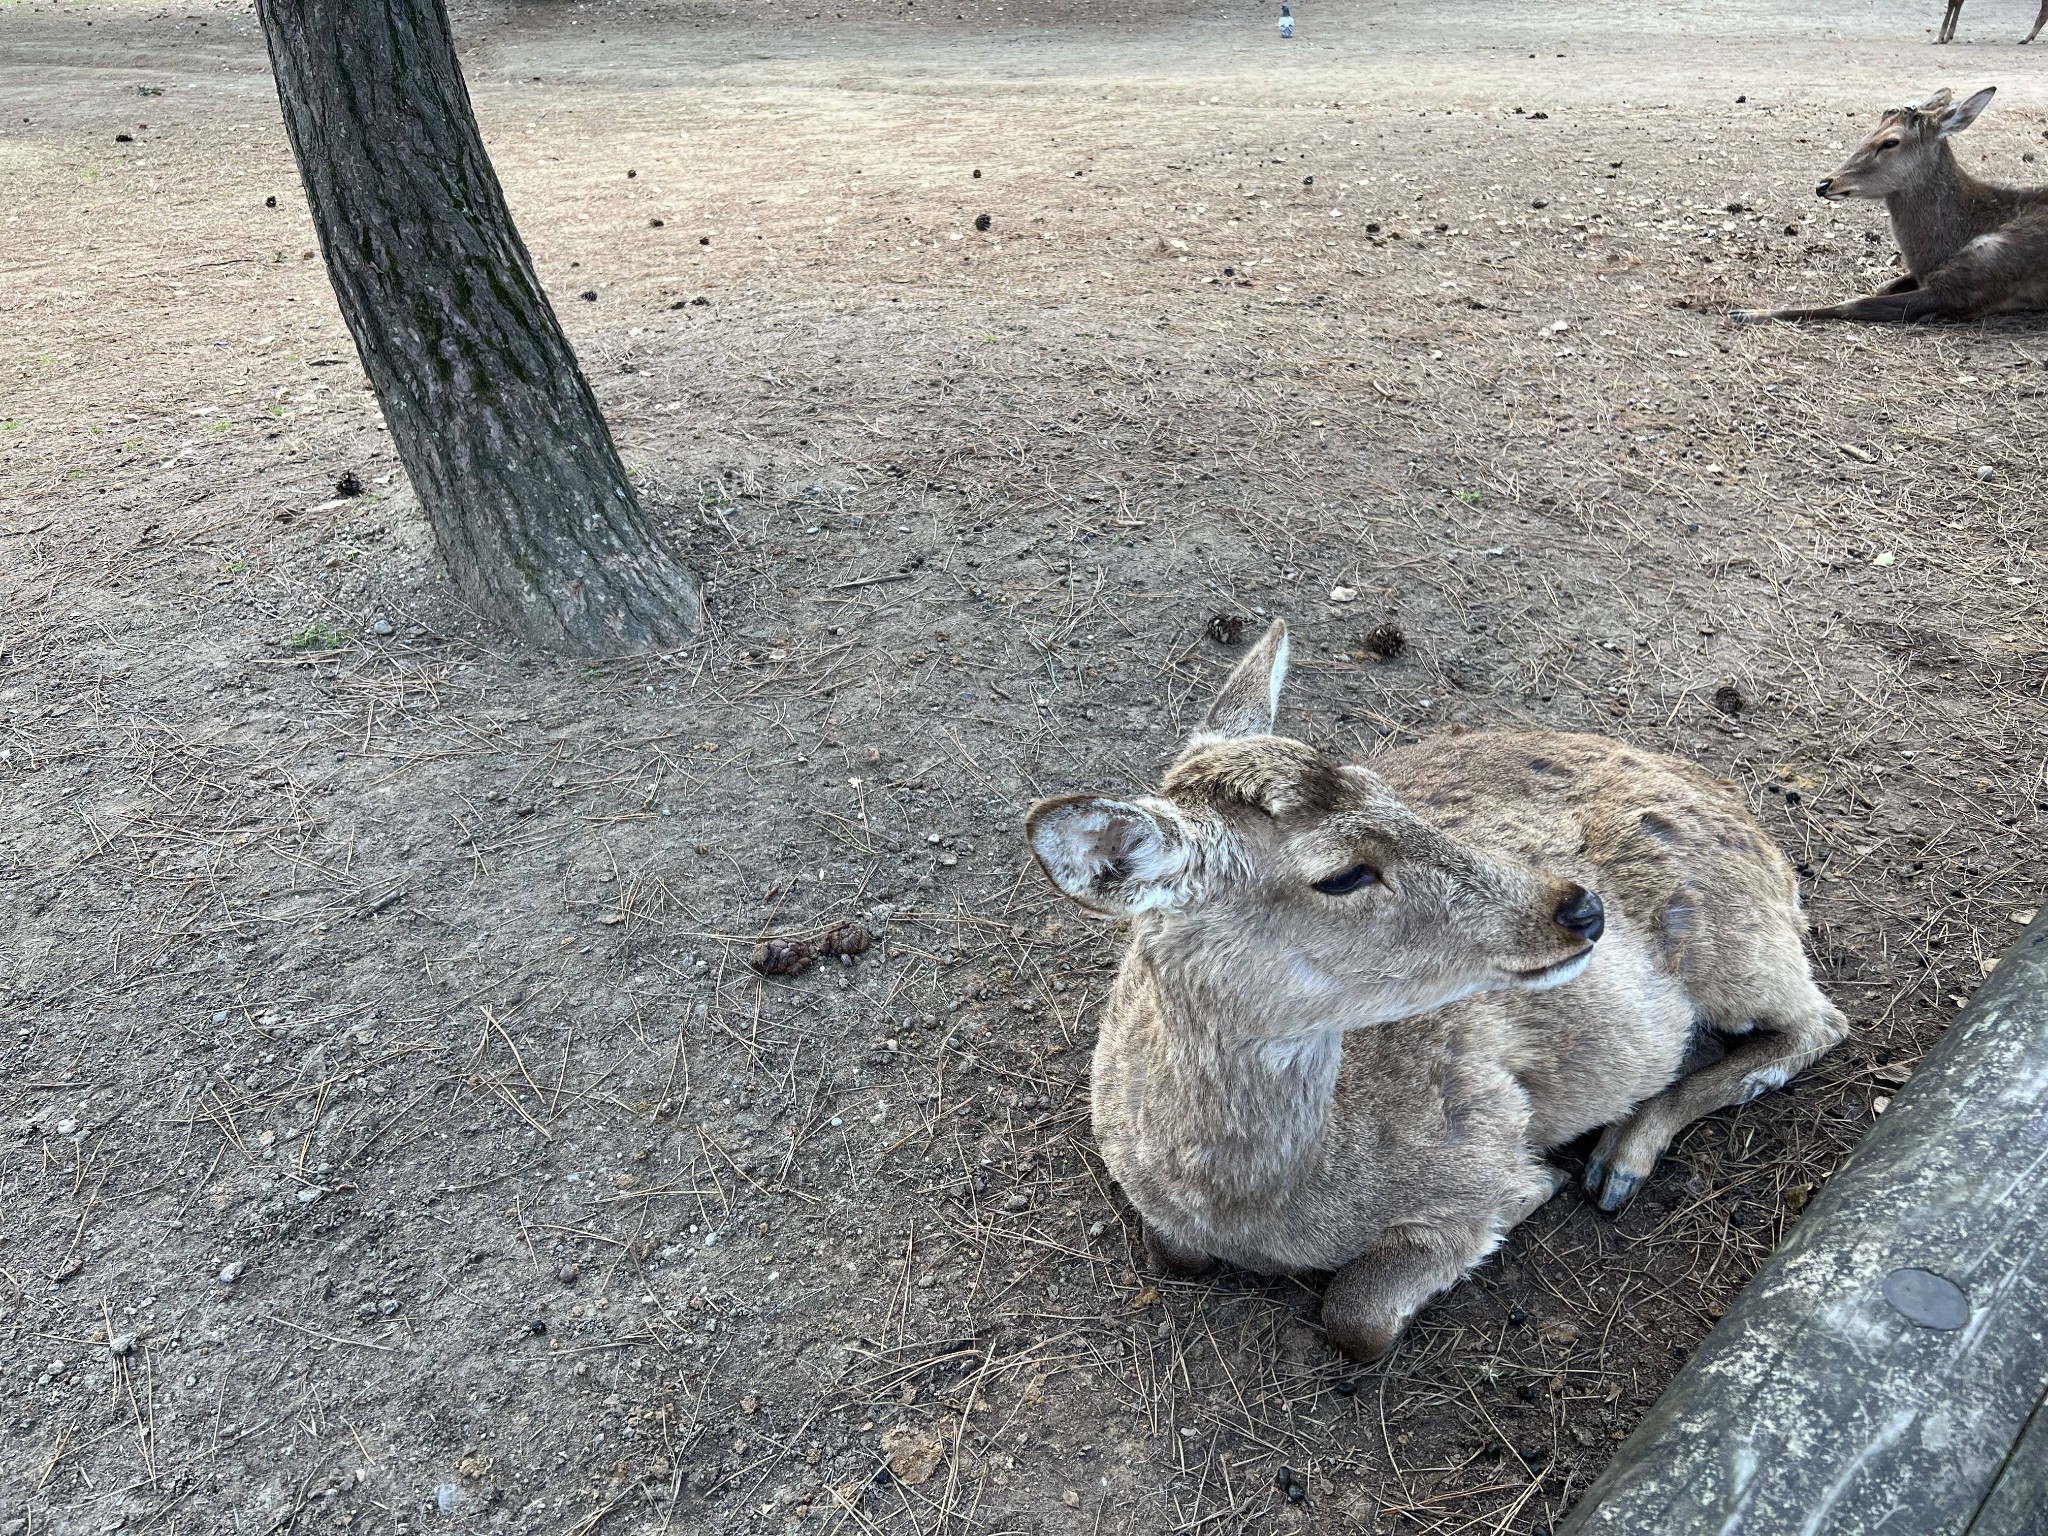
(1373, 1297)
(1769, 1057)
(2038, 22)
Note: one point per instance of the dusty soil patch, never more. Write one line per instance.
(395, 1126)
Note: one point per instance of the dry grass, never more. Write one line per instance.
(411, 975)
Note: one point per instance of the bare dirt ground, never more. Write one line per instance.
(391, 1131)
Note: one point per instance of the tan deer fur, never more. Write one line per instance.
(1970, 248)
(1368, 1082)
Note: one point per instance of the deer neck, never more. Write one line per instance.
(1942, 212)
(1246, 1069)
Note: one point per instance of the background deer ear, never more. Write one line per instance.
(1955, 119)
(1112, 855)
(1251, 696)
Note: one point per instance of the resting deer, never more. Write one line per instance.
(1955, 9)
(1971, 249)
(1360, 1005)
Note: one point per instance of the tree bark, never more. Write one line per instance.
(491, 416)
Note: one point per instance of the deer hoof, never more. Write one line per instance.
(1610, 1186)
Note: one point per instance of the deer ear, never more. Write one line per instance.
(1112, 855)
(1955, 119)
(1251, 694)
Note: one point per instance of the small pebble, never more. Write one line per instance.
(121, 1345)
(381, 627)
(230, 1273)
(1987, 471)
(568, 1274)
(446, 1497)
(1018, 1202)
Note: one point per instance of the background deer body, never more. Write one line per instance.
(1955, 9)
(1358, 1006)
(1970, 248)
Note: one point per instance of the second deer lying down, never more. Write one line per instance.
(1971, 249)
(1360, 1005)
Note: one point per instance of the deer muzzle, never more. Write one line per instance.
(1581, 915)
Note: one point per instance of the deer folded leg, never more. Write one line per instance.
(1373, 1297)
(1770, 1056)
(1171, 1257)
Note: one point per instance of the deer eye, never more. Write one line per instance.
(1889, 144)
(1353, 879)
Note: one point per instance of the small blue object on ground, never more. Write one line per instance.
(1286, 22)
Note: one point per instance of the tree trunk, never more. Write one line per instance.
(493, 420)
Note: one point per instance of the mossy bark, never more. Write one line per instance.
(491, 416)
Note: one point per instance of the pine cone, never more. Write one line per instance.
(845, 938)
(783, 957)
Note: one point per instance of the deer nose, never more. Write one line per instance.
(1581, 914)
(1824, 188)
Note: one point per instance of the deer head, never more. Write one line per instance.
(1905, 147)
(1304, 886)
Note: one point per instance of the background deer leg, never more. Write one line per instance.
(1768, 1058)
(1948, 22)
(2038, 21)
(1919, 303)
